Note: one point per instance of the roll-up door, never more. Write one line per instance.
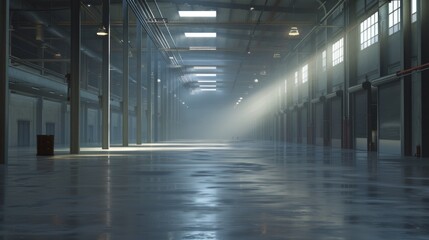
(389, 113)
(303, 124)
(284, 122)
(319, 116)
(336, 121)
(295, 126)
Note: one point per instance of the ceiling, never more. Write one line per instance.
(252, 39)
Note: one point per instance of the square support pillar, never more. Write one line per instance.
(125, 80)
(4, 81)
(105, 79)
(75, 65)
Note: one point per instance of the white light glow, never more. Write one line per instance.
(94, 152)
(207, 81)
(197, 13)
(200, 34)
(202, 48)
(207, 86)
(206, 74)
(204, 67)
(208, 89)
(256, 80)
(294, 31)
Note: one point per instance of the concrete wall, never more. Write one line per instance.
(21, 108)
(52, 114)
(380, 59)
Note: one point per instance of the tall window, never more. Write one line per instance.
(414, 10)
(324, 60)
(305, 73)
(285, 85)
(394, 16)
(296, 78)
(369, 31)
(338, 52)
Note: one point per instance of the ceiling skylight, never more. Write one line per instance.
(206, 74)
(207, 86)
(202, 48)
(205, 67)
(207, 81)
(200, 34)
(197, 13)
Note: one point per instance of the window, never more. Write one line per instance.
(414, 10)
(296, 78)
(369, 31)
(394, 16)
(285, 85)
(305, 74)
(324, 60)
(338, 52)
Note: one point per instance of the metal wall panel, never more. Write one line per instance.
(303, 123)
(318, 124)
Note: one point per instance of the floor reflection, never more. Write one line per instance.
(228, 190)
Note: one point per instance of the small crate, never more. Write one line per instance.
(45, 145)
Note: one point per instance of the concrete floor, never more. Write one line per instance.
(225, 191)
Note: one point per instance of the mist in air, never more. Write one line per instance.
(229, 121)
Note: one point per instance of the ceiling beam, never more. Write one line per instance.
(228, 5)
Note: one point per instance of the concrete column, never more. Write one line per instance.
(42, 56)
(156, 98)
(149, 95)
(125, 82)
(84, 72)
(351, 46)
(139, 83)
(105, 79)
(167, 97)
(424, 58)
(171, 108)
(407, 107)
(163, 99)
(63, 123)
(4, 80)
(39, 116)
(84, 121)
(171, 105)
(75, 78)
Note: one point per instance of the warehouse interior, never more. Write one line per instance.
(198, 109)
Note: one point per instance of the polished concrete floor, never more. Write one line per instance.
(224, 191)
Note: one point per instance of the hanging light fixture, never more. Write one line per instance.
(293, 31)
(40, 36)
(102, 31)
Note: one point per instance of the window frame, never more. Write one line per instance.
(304, 73)
(413, 11)
(394, 13)
(338, 52)
(296, 78)
(369, 31)
(324, 61)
